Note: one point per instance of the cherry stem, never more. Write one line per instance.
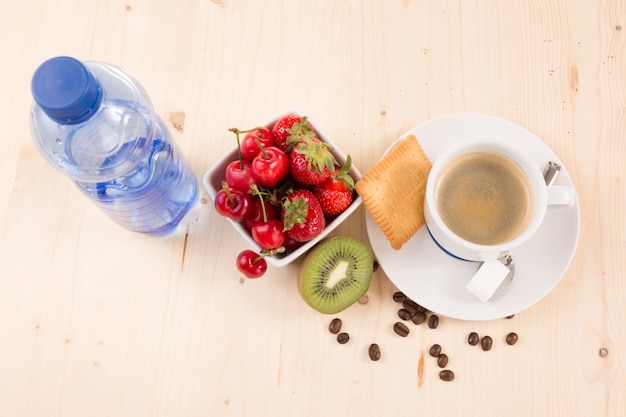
(259, 194)
(249, 130)
(228, 193)
(270, 252)
(237, 132)
(258, 143)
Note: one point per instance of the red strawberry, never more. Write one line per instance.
(302, 216)
(291, 129)
(311, 162)
(335, 194)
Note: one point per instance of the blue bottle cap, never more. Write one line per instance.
(66, 90)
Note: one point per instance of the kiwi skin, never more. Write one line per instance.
(324, 258)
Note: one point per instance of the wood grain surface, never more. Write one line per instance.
(98, 321)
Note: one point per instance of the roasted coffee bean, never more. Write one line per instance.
(442, 360)
(446, 375)
(399, 296)
(473, 338)
(433, 321)
(334, 326)
(375, 266)
(511, 338)
(435, 350)
(411, 305)
(400, 329)
(486, 342)
(374, 352)
(419, 317)
(343, 338)
(404, 314)
(510, 317)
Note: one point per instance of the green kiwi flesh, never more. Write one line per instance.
(336, 274)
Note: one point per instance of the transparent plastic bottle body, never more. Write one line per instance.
(155, 195)
(122, 156)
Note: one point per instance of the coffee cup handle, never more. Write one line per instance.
(487, 279)
(560, 196)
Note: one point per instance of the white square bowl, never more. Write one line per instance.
(212, 181)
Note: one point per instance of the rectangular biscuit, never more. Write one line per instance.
(393, 191)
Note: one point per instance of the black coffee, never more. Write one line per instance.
(484, 198)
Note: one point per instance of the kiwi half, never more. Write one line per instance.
(336, 274)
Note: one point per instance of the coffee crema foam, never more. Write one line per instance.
(484, 198)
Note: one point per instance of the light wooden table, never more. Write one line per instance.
(98, 321)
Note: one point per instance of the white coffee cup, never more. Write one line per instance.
(460, 167)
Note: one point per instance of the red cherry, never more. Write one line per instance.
(269, 234)
(239, 175)
(256, 213)
(270, 166)
(290, 244)
(251, 264)
(233, 204)
(250, 147)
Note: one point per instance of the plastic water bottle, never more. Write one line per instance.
(95, 123)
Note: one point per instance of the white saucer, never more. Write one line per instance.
(437, 281)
